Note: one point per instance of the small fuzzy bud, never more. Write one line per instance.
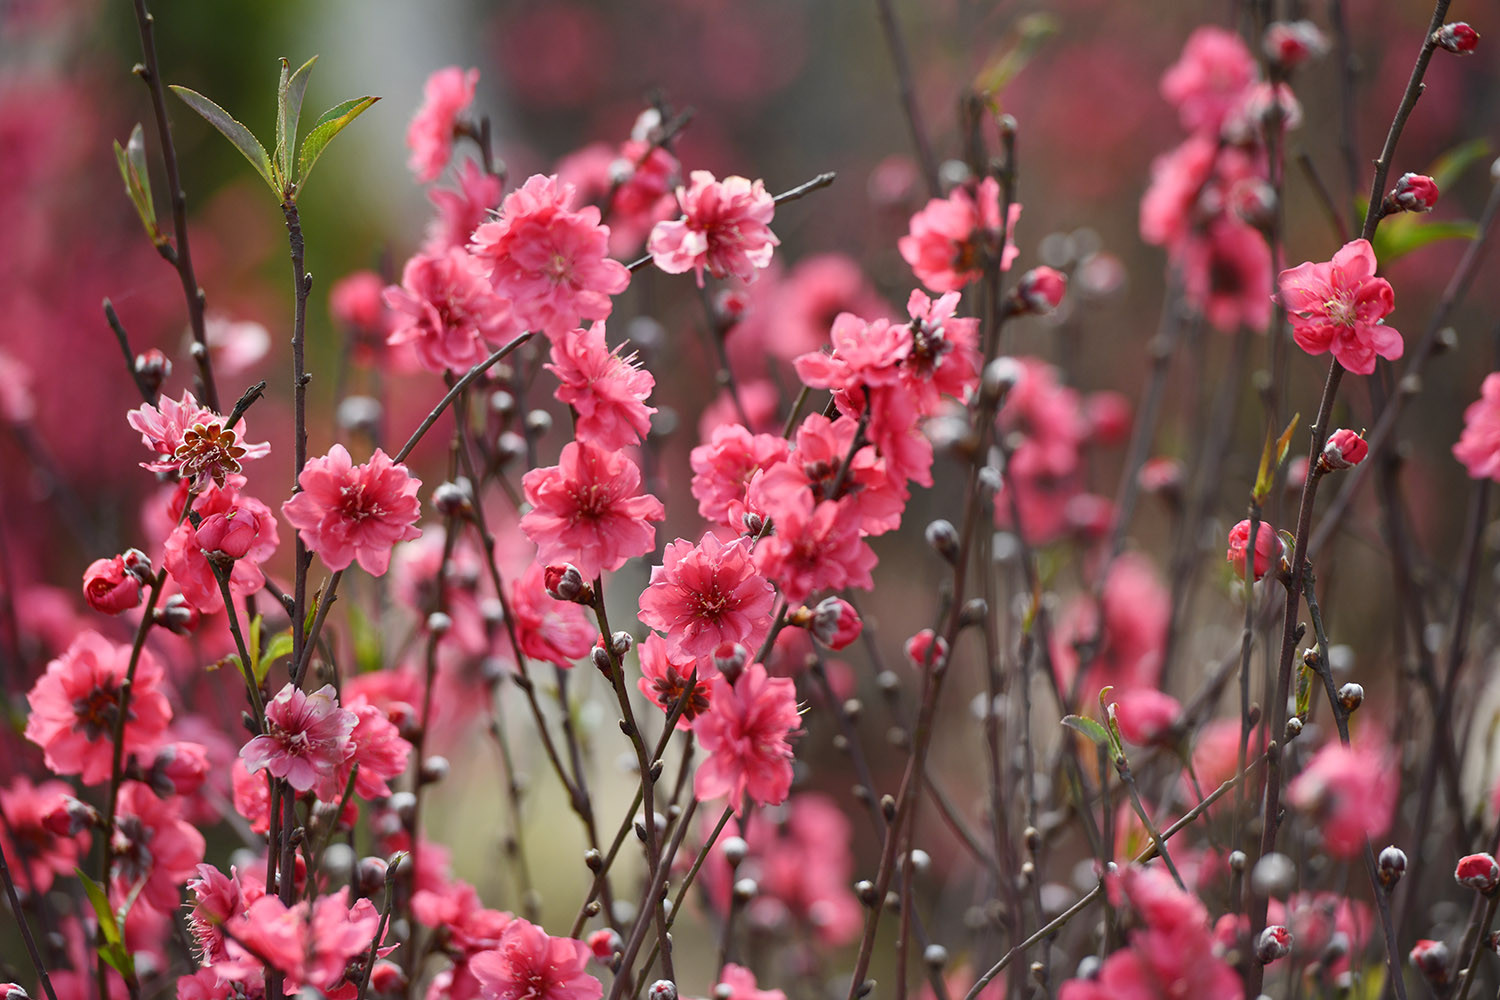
(177, 616)
(434, 769)
(621, 642)
(359, 413)
(1273, 876)
(1457, 37)
(935, 955)
(602, 662)
(454, 499)
(502, 403)
(1039, 291)
(1289, 44)
(1351, 696)
(730, 659)
(1345, 449)
(865, 890)
(734, 850)
(753, 522)
(745, 889)
(370, 875)
(1431, 959)
(662, 989)
(1000, 376)
(565, 583)
(509, 447)
(153, 368)
(439, 624)
(538, 423)
(1412, 193)
(835, 623)
(12, 991)
(1479, 872)
(137, 564)
(1237, 861)
(943, 538)
(605, 943)
(926, 649)
(1293, 728)
(1392, 866)
(1275, 942)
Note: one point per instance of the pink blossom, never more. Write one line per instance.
(814, 546)
(153, 849)
(75, 704)
(1268, 547)
(1478, 447)
(945, 244)
(873, 498)
(235, 346)
(1413, 193)
(446, 95)
(745, 733)
(252, 796)
(738, 983)
(558, 632)
(664, 679)
(707, 594)
(1178, 179)
(191, 441)
(588, 510)
(306, 738)
(723, 465)
(37, 854)
(1350, 790)
(109, 587)
(725, 227)
(1147, 716)
(311, 943)
(446, 309)
(550, 261)
(1341, 306)
(1208, 81)
(1135, 608)
(790, 316)
(376, 745)
(944, 356)
(216, 898)
(1226, 274)
(187, 561)
(1344, 450)
(461, 211)
(346, 511)
(527, 964)
(606, 389)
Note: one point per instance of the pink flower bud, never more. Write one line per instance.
(1288, 44)
(153, 368)
(730, 659)
(662, 989)
(1147, 717)
(605, 943)
(179, 768)
(565, 583)
(176, 615)
(921, 652)
(1479, 872)
(1275, 942)
(1108, 414)
(1457, 38)
(835, 623)
(1344, 450)
(1431, 959)
(1413, 193)
(109, 587)
(1161, 475)
(229, 535)
(386, 978)
(70, 817)
(1267, 547)
(1040, 290)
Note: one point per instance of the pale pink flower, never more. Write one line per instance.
(1351, 791)
(705, 595)
(606, 389)
(1478, 447)
(235, 346)
(1209, 80)
(725, 228)
(347, 512)
(191, 441)
(461, 211)
(446, 95)
(75, 704)
(550, 261)
(723, 465)
(446, 309)
(664, 678)
(745, 733)
(945, 245)
(527, 964)
(1340, 305)
(588, 510)
(306, 738)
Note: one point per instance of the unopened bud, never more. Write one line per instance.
(1273, 876)
(865, 890)
(153, 368)
(434, 769)
(662, 989)
(1431, 959)
(439, 624)
(360, 414)
(927, 649)
(1479, 872)
(1039, 291)
(70, 817)
(605, 943)
(1457, 38)
(1000, 376)
(1288, 44)
(1345, 449)
(935, 955)
(1351, 696)
(454, 499)
(943, 538)
(835, 623)
(370, 874)
(734, 850)
(753, 522)
(565, 583)
(621, 642)
(1392, 866)
(745, 889)
(177, 616)
(602, 662)
(1275, 942)
(730, 659)
(1413, 193)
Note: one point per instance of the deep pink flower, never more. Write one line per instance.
(187, 561)
(1350, 790)
(1147, 716)
(1226, 274)
(153, 849)
(376, 745)
(664, 678)
(179, 768)
(446, 309)
(1178, 178)
(874, 498)
(191, 441)
(1136, 609)
(1268, 547)
(944, 245)
(944, 356)
(725, 228)
(252, 796)
(311, 944)
(588, 510)
(109, 587)
(814, 546)
(346, 511)
(723, 465)
(1478, 447)
(216, 898)
(1209, 80)
(745, 733)
(74, 706)
(738, 983)
(1341, 306)
(707, 594)
(306, 738)
(550, 261)
(37, 854)
(530, 965)
(607, 389)
(558, 632)
(446, 95)
(461, 211)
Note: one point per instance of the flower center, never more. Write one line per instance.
(355, 505)
(1340, 310)
(669, 689)
(208, 451)
(96, 712)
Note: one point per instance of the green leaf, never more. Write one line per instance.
(1305, 676)
(1449, 167)
(1088, 727)
(112, 946)
(1271, 457)
(332, 122)
(1400, 235)
(236, 133)
(1018, 47)
(279, 646)
(131, 159)
(288, 111)
(256, 624)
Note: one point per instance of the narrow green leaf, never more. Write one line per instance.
(288, 111)
(279, 646)
(236, 133)
(131, 159)
(1400, 235)
(1088, 727)
(1304, 690)
(1449, 167)
(332, 122)
(256, 624)
(99, 900)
